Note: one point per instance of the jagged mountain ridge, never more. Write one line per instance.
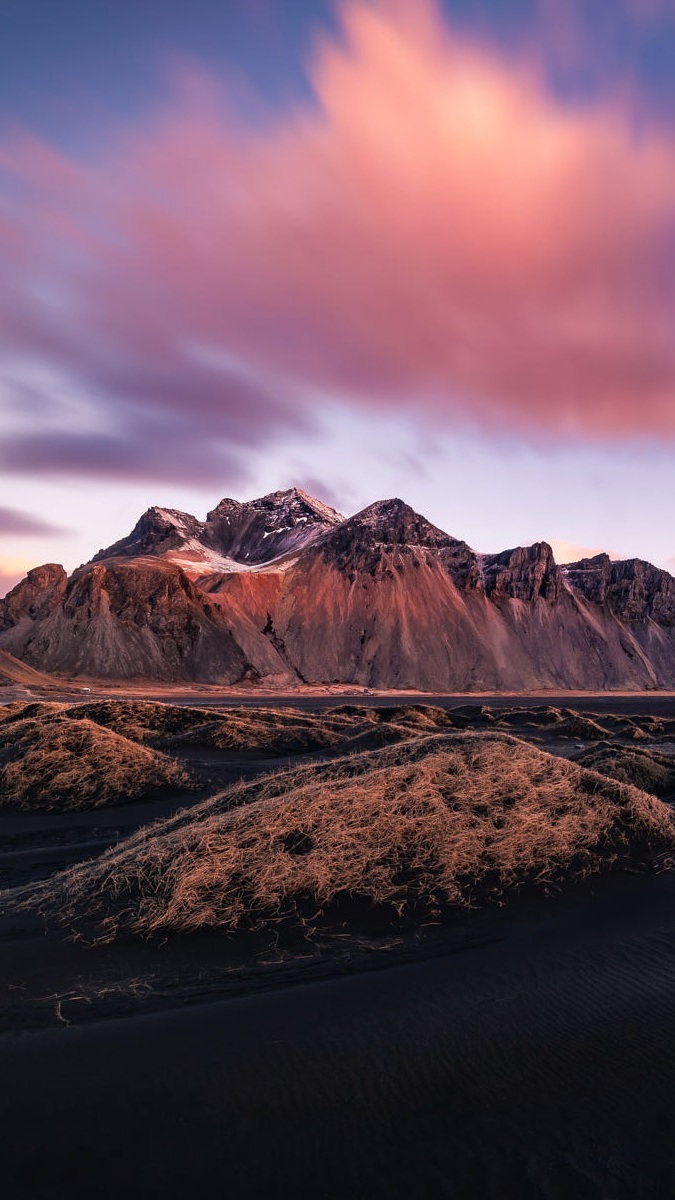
(632, 588)
(262, 530)
(284, 589)
(136, 618)
(234, 536)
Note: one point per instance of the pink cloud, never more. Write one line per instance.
(437, 232)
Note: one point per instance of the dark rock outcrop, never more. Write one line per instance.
(367, 540)
(526, 573)
(264, 529)
(34, 597)
(158, 531)
(631, 589)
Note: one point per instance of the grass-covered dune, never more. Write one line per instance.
(646, 768)
(50, 763)
(289, 730)
(282, 730)
(59, 757)
(429, 825)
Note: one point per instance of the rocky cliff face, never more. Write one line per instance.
(526, 573)
(284, 589)
(262, 530)
(34, 597)
(633, 590)
(140, 619)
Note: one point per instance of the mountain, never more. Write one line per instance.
(160, 532)
(269, 528)
(284, 589)
(34, 597)
(137, 618)
(633, 589)
(233, 537)
(12, 671)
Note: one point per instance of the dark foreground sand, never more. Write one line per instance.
(538, 1060)
(526, 1054)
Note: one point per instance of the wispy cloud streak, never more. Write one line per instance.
(436, 232)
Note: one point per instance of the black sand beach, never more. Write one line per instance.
(519, 1053)
(538, 1061)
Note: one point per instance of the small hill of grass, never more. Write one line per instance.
(49, 763)
(649, 769)
(12, 670)
(427, 826)
(279, 730)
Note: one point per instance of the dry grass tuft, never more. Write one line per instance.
(50, 763)
(651, 770)
(268, 730)
(22, 711)
(562, 722)
(424, 826)
(140, 720)
(576, 725)
(272, 731)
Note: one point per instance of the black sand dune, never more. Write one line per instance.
(280, 731)
(648, 768)
(49, 762)
(538, 1065)
(100, 733)
(436, 822)
(519, 1053)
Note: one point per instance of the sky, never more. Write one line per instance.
(378, 249)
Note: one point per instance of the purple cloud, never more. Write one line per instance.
(437, 233)
(13, 521)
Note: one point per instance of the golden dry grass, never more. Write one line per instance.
(424, 826)
(649, 769)
(22, 711)
(50, 763)
(577, 725)
(562, 722)
(270, 730)
(140, 720)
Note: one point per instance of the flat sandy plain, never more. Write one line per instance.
(527, 1052)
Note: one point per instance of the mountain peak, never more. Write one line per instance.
(384, 509)
(155, 533)
(630, 587)
(394, 522)
(293, 502)
(297, 504)
(280, 523)
(361, 541)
